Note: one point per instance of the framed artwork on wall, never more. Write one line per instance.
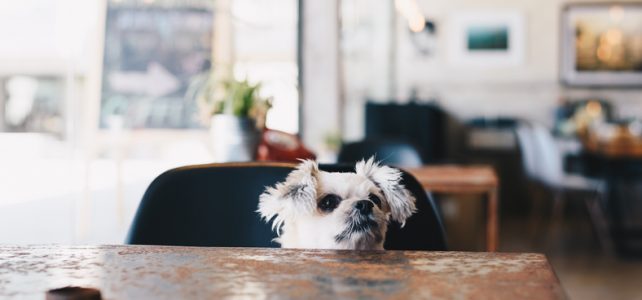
(487, 39)
(601, 44)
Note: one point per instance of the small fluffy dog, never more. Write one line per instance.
(328, 210)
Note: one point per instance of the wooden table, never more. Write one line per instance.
(630, 149)
(457, 179)
(155, 272)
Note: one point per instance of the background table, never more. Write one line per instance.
(458, 179)
(155, 272)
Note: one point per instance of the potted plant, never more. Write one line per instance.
(237, 115)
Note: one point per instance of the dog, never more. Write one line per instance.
(314, 209)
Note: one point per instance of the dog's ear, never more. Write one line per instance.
(400, 200)
(296, 195)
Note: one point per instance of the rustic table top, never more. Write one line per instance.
(456, 178)
(161, 272)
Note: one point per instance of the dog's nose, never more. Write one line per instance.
(364, 206)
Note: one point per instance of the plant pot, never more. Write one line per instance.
(233, 138)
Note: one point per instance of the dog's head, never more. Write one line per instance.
(317, 209)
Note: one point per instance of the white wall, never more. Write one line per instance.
(529, 90)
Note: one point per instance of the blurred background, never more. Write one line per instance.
(95, 102)
(98, 97)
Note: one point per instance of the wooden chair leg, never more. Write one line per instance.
(492, 226)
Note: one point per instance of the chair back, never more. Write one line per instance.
(390, 152)
(551, 166)
(540, 155)
(215, 205)
(527, 147)
(207, 205)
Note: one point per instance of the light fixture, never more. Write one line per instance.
(423, 31)
(409, 9)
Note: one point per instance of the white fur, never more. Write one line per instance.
(291, 206)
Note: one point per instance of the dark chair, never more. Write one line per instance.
(206, 205)
(390, 152)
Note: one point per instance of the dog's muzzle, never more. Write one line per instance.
(364, 207)
(360, 221)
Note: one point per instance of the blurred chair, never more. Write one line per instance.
(215, 205)
(543, 164)
(390, 152)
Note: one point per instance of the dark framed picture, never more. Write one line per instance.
(602, 44)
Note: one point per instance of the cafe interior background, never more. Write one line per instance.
(97, 98)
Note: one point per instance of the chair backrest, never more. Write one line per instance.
(215, 205)
(207, 205)
(551, 166)
(390, 152)
(527, 146)
(541, 157)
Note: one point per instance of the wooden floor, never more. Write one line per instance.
(583, 269)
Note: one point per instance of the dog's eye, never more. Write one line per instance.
(329, 202)
(375, 199)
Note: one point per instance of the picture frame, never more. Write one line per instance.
(587, 58)
(487, 38)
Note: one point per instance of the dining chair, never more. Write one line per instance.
(215, 205)
(391, 152)
(543, 164)
(207, 205)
